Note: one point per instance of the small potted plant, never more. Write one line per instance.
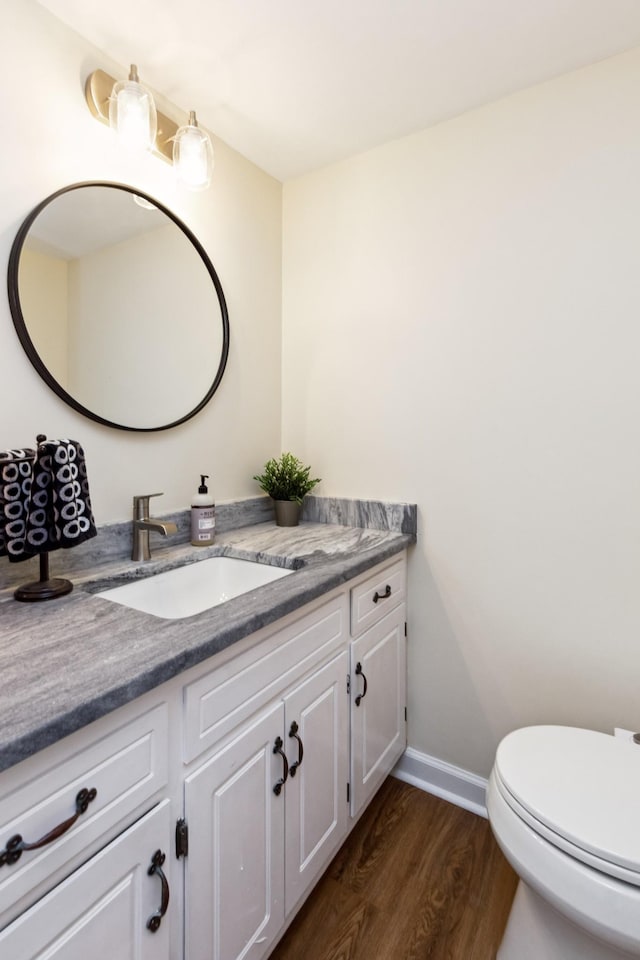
(287, 481)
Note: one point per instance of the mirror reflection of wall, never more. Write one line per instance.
(44, 296)
(120, 307)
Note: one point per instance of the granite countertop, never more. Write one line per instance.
(69, 661)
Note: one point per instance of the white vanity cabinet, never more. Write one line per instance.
(267, 753)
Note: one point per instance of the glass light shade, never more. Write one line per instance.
(193, 156)
(132, 113)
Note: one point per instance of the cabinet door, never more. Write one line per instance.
(234, 884)
(103, 908)
(378, 685)
(316, 808)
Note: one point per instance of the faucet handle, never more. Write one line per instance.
(141, 504)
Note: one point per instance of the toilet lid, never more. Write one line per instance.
(582, 786)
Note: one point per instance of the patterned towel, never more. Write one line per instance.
(15, 488)
(59, 512)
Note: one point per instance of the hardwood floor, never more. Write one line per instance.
(417, 878)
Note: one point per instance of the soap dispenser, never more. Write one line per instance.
(203, 515)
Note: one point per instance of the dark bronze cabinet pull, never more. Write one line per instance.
(16, 845)
(359, 673)
(293, 732)
(157, 860)
(277, 748)
(382, 596)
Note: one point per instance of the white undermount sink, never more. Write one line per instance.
(198, 586)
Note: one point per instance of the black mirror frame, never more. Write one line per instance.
(28, 345)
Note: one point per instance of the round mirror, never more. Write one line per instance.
(118, 307)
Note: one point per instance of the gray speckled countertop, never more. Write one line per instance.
(72, 660)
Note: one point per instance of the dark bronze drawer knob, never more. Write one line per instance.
(359, 673)
(293, 732)
(279, 784)
(16, 845)
(382, 596)
(157, 860)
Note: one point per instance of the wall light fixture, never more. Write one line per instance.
(128, 107)
(193, 155)
(132, 113)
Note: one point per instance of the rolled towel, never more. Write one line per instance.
(59, 512)
(16, 471)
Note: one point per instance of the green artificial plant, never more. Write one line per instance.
(286, 478)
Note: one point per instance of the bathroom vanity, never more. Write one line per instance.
(188, 802)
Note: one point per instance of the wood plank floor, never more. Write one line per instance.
(417, 878)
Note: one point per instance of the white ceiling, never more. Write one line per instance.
(297, 84)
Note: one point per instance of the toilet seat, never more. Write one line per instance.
(579, 790)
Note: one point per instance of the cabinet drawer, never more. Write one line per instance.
(126, 766)
(377, 595)
(225, 697)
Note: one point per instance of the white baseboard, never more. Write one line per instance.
(442, 779)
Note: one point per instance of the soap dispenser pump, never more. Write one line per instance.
(203, 515)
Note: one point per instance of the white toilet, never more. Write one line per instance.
(564, 805)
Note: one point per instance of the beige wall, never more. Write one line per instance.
(462, 329)
(51, 140)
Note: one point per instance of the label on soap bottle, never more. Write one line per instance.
(203, 523)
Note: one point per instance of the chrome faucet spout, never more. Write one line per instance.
(143, 524)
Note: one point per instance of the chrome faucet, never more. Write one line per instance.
(142, 524)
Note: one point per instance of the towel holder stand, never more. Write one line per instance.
(45, 588)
